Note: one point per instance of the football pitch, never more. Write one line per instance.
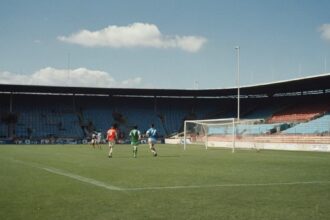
(78, 182)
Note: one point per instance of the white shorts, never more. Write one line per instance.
(111, 143)
(152, 140)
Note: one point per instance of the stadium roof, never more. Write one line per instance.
(314, 84)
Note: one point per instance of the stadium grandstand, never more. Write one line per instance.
(291, 111)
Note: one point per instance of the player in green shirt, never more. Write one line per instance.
(135, 135)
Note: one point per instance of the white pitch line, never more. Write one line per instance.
(115, 188)
(82, 179)
(70, 175)
(110, 187)
(224, 185)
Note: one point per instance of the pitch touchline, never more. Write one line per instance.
(115, 188)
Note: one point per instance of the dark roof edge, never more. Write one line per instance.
(318, 82)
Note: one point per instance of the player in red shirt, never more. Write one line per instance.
(112, 137)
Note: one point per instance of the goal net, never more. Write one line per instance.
(221, 132)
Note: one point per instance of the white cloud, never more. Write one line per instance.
(134, 35)
(80, 77)
(325, 31)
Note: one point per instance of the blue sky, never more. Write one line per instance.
(162, 44)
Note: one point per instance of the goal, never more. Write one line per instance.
(220, 132)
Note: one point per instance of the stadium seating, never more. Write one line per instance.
(261, 112)
(320, 125)
(299, 113)
(41, 116)
(38, 118)
(4, 108)
(245, 129)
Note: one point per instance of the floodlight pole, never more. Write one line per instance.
(237, 48)
(325, 64)
(69, 66)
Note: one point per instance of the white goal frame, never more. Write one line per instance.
(238, 129)
(209, 123)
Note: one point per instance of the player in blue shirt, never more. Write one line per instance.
(152, 139)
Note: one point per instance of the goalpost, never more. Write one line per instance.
(226, 131)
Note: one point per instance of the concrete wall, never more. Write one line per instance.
(262, 146)
(273, 146)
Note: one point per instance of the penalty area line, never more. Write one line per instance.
(225, 185)
(82, 179)
(69, 175)
(110, 187)
(115, 188)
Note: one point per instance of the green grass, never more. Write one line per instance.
(29, 189)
